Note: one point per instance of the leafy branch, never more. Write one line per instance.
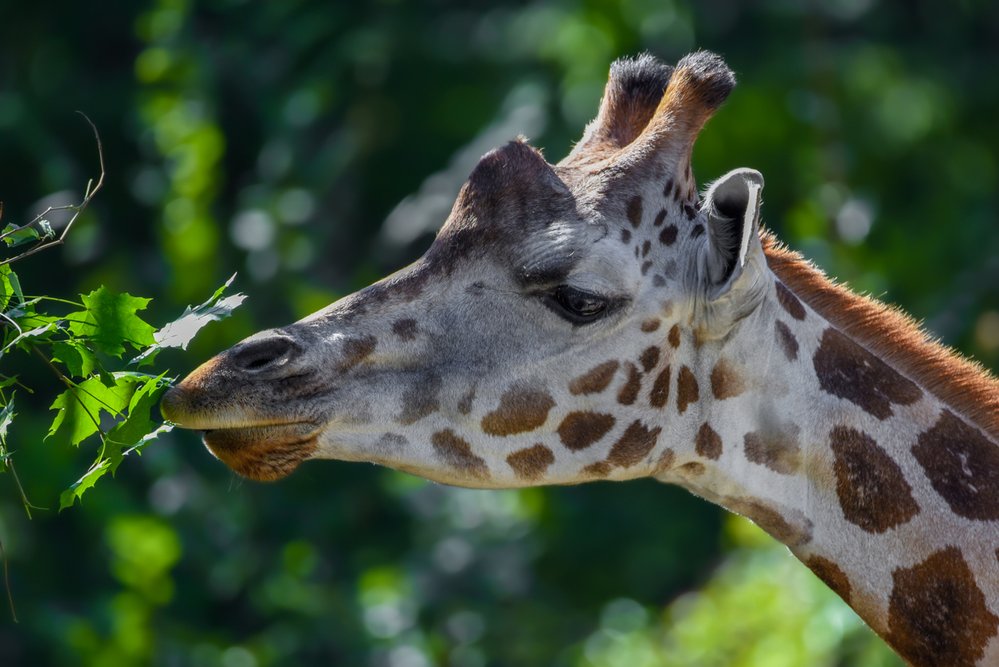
(92, 346)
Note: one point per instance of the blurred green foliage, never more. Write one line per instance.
(274, 139)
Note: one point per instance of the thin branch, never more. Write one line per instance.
(92, 189)
(6, 582)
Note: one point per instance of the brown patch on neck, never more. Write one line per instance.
(726, 382)
(937, 613)
(405, 328)
(520, 410)
(457, 453)
(579, 430)
(831, 574)
(771, 521)
(872, 489)
(594, 380)
(686, 389)
(355, 350)
(633, 445)
(776, 448)
(629, 392)
(659, 394)
(962, 466)
(708, 443)
(674, 336)
(649, 358)
(531, 463)
(420, 400)
(894, 337)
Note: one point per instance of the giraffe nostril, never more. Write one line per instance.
(264, 354)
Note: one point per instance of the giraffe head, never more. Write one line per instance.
(533, 342)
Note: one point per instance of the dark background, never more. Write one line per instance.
(275, 139)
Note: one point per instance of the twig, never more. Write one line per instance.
(92, 189)
(6, 583)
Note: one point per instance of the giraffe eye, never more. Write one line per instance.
(576, 305)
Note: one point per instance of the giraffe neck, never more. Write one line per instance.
(889, 493)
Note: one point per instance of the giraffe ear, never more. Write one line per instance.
(732, 206)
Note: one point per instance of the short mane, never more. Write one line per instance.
(964, 385)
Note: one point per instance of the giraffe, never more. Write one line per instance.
(597, 319)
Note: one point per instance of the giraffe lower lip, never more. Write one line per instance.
(263, 453)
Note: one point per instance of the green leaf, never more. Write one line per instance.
(180, 332)
(76, 491)
(6, 417)
(138, 424)
(74, 354)
(6, 286)
(38, 331)
(18, 236)
(110, 321)
(80, 408)
(80, 486)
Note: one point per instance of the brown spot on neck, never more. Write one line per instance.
(873, 492)
(674, 336)
(772, 521)
(520, 410)
(649, 358)
(847, 370)
(659, 395)
(405, 328)
(531, 463)
(579, 430)
(789, 302)
(726, 382)
(629, 392)
(786, 339)
(634, 211)
(648, 326)
(355, 350)
(831, 574)
(776, 448)
(594, 380)
(686, 390)
(420, 399)
(600, 469)
(962, 465)
(633, 445)
(668, 235)
(708, 443)
(937, 613)
(455, 452)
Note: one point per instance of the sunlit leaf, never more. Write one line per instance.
(110, 321)
(6, 417)
(138, 423)
(74, 354)
(6, 286)
(18, 236)
(80, 486)
(80, 408)
(181, 331)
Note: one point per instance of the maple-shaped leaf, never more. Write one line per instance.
(80, 407)
(110, 321)
(74, 354)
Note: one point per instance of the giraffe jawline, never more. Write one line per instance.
(264, 452)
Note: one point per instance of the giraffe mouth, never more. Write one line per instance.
(265, 452)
